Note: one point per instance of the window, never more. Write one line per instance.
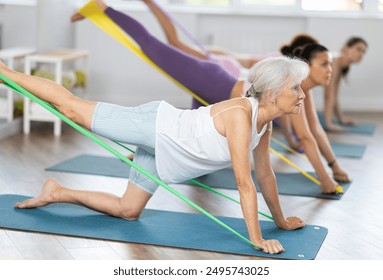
(221, 3)
(269, 2)
(236, 2)
(18, 2)
(305, 5)
(332, 5)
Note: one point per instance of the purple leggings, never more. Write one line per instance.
(206, 79)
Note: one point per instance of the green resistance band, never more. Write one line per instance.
(9, 83)
(199, 184)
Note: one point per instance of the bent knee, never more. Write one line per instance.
(130, 214)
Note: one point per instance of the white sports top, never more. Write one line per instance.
(189, 146)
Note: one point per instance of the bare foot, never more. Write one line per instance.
(76, 17)
(50, 192)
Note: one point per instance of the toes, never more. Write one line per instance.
(30, 203)
(20, 204)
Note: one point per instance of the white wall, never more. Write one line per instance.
(118, 76)
(53, 28)
(19, 26)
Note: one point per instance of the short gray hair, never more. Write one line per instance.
(272, 74)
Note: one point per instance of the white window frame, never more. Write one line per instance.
(370, 9)
(19, 2)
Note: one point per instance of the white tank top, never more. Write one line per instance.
(189, 146)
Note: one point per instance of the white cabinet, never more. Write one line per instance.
(10, 57)
(57, 58)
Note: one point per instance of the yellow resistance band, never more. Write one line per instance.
(339, 189)
(93, 12)
(291, 150)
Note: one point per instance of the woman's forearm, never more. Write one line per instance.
(249, 206)
(329, 107)
(338, 111)
(170, 30)
(312, 152)
(268, 187)
(323, 144)
(166, 25)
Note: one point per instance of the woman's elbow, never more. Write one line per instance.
(307, 140)
(318, 132)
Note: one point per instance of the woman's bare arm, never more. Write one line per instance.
(322, 139)
(331, 100)
(237, 130)
(171, 32)
(310, 146)
(267, 183)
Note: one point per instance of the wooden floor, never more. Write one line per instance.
(355, 222)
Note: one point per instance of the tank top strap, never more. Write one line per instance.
(232, 107)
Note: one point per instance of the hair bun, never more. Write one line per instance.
(298, 51)
(286, 50)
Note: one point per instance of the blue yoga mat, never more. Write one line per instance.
(360, 128)
(155, 227)
(340, 149)
(288, 183)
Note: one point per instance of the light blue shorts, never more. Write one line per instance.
(135, 126)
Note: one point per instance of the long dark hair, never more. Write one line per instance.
(309, 51)
(298, 41)
(350, 43)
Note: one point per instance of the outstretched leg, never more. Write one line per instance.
(129, 206)
(206, 79)
(76, 109)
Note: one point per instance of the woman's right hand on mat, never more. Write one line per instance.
(334, 128)
(292, 223)
(346, 121)
(271, 246)
(339, 174)
(328, 186)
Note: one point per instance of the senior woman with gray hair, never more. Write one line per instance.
(177, 145)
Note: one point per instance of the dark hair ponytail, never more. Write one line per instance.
(298, 41)
(286, 50)
(308, 52)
